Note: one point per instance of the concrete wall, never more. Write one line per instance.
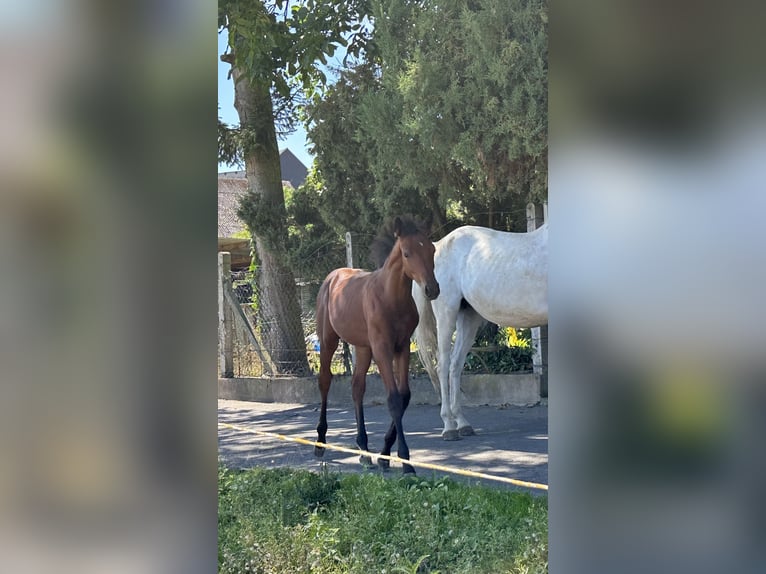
(521, 389)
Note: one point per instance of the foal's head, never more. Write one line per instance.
(410, 238)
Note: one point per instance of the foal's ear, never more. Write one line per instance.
(397, 227)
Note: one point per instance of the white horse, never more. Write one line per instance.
(483, 275)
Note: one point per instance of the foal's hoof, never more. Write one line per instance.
(466, 431)
(384, 464)
(319, 451)
(450, 435)
(407, 470)
(366, 461)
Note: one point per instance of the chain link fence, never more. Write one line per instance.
(273, 332)
(260, 349)
(495, 351)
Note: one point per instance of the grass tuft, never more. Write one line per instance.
(281, 520)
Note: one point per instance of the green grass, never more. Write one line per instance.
(281, 520)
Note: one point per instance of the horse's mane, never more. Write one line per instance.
(383, 244)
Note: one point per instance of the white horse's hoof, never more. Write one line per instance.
(450, 435)
(466, 431)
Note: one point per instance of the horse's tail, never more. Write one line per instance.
(425, 335)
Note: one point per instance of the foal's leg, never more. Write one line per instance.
(402, 366)
(328, 344)
(468, 323)
(397, 404)
(358, 385)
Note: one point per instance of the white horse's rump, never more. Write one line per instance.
(483, 275)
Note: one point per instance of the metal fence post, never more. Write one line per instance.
(536, 216)
(225, 327)
(349, 251)
(350, 263)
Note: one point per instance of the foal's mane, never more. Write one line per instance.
(383, 244)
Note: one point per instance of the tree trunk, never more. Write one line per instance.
(278, 307)
(439, 213)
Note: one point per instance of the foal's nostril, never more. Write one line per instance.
(432, 291)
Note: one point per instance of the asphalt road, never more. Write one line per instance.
(509, 441)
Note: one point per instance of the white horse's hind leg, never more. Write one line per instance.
(468, 323)
(446, 316)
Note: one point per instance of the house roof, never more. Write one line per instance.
(231, 187)
(293, 169)
(230, 190)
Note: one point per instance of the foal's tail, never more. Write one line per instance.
(425, 335)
